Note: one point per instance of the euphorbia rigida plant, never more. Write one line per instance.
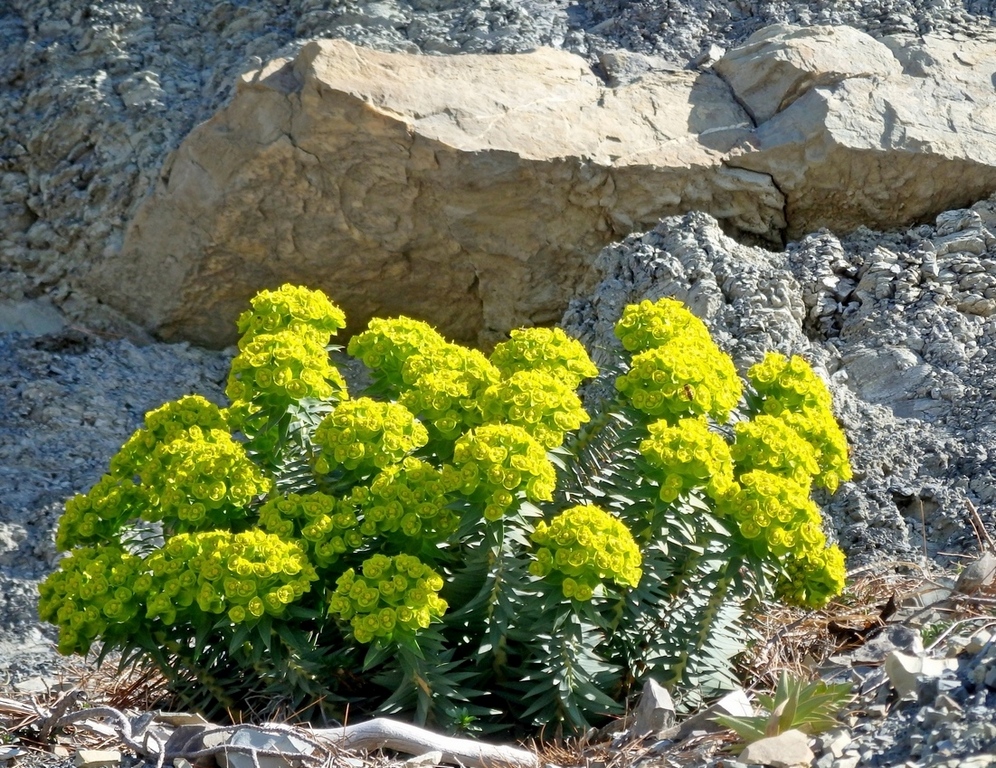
(460, 541)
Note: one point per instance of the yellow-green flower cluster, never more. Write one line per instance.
(410, 497)
(544, 349)
(96, 593)
(775, 512)
(292, 308)
(684, 377)
(496, 460)
(821, 430)
(245, 575)
(649, 325)
(537, 401)
(192, 477)
(450, 357)
(367, 434)
(97, 515)
(447, 400)
(282, 353)
(163, 425)
(443, 385)
(768, 443)
(789, 384)
(201, 480)
(388, 343)
(691, 456)
(586, 545)
(791, 390)
(326, 530)
(813, 576)
(390, 597)
(284, 366)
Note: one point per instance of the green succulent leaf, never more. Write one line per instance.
(809, 707)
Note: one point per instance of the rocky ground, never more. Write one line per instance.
(69, 397)
(94, 96)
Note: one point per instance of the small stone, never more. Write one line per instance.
(425, 760)
(945, 702)
(930, 596)
(834, 741)
(991, 678)
(877, 710)
(292, 750)
(825, 760)
(850, 761)
(180, 718)
(932, 716)
(709, 56)
(655, 711)
(785, 750)
(97, 758)
(978, 641)
(979, 575)
(735, 704)
(893, 638)
(905, 671)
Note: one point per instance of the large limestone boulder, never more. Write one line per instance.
(472, 191)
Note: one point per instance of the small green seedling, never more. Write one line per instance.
(808, 707)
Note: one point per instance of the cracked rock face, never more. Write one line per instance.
(902, 327)
(474, 191)
(862, 132)
(470, 191)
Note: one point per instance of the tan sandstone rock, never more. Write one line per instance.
(882, 152)
(471, 191)
(475, 191)
(780, 63)
(786, 750)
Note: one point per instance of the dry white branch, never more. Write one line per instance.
(384, 733)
